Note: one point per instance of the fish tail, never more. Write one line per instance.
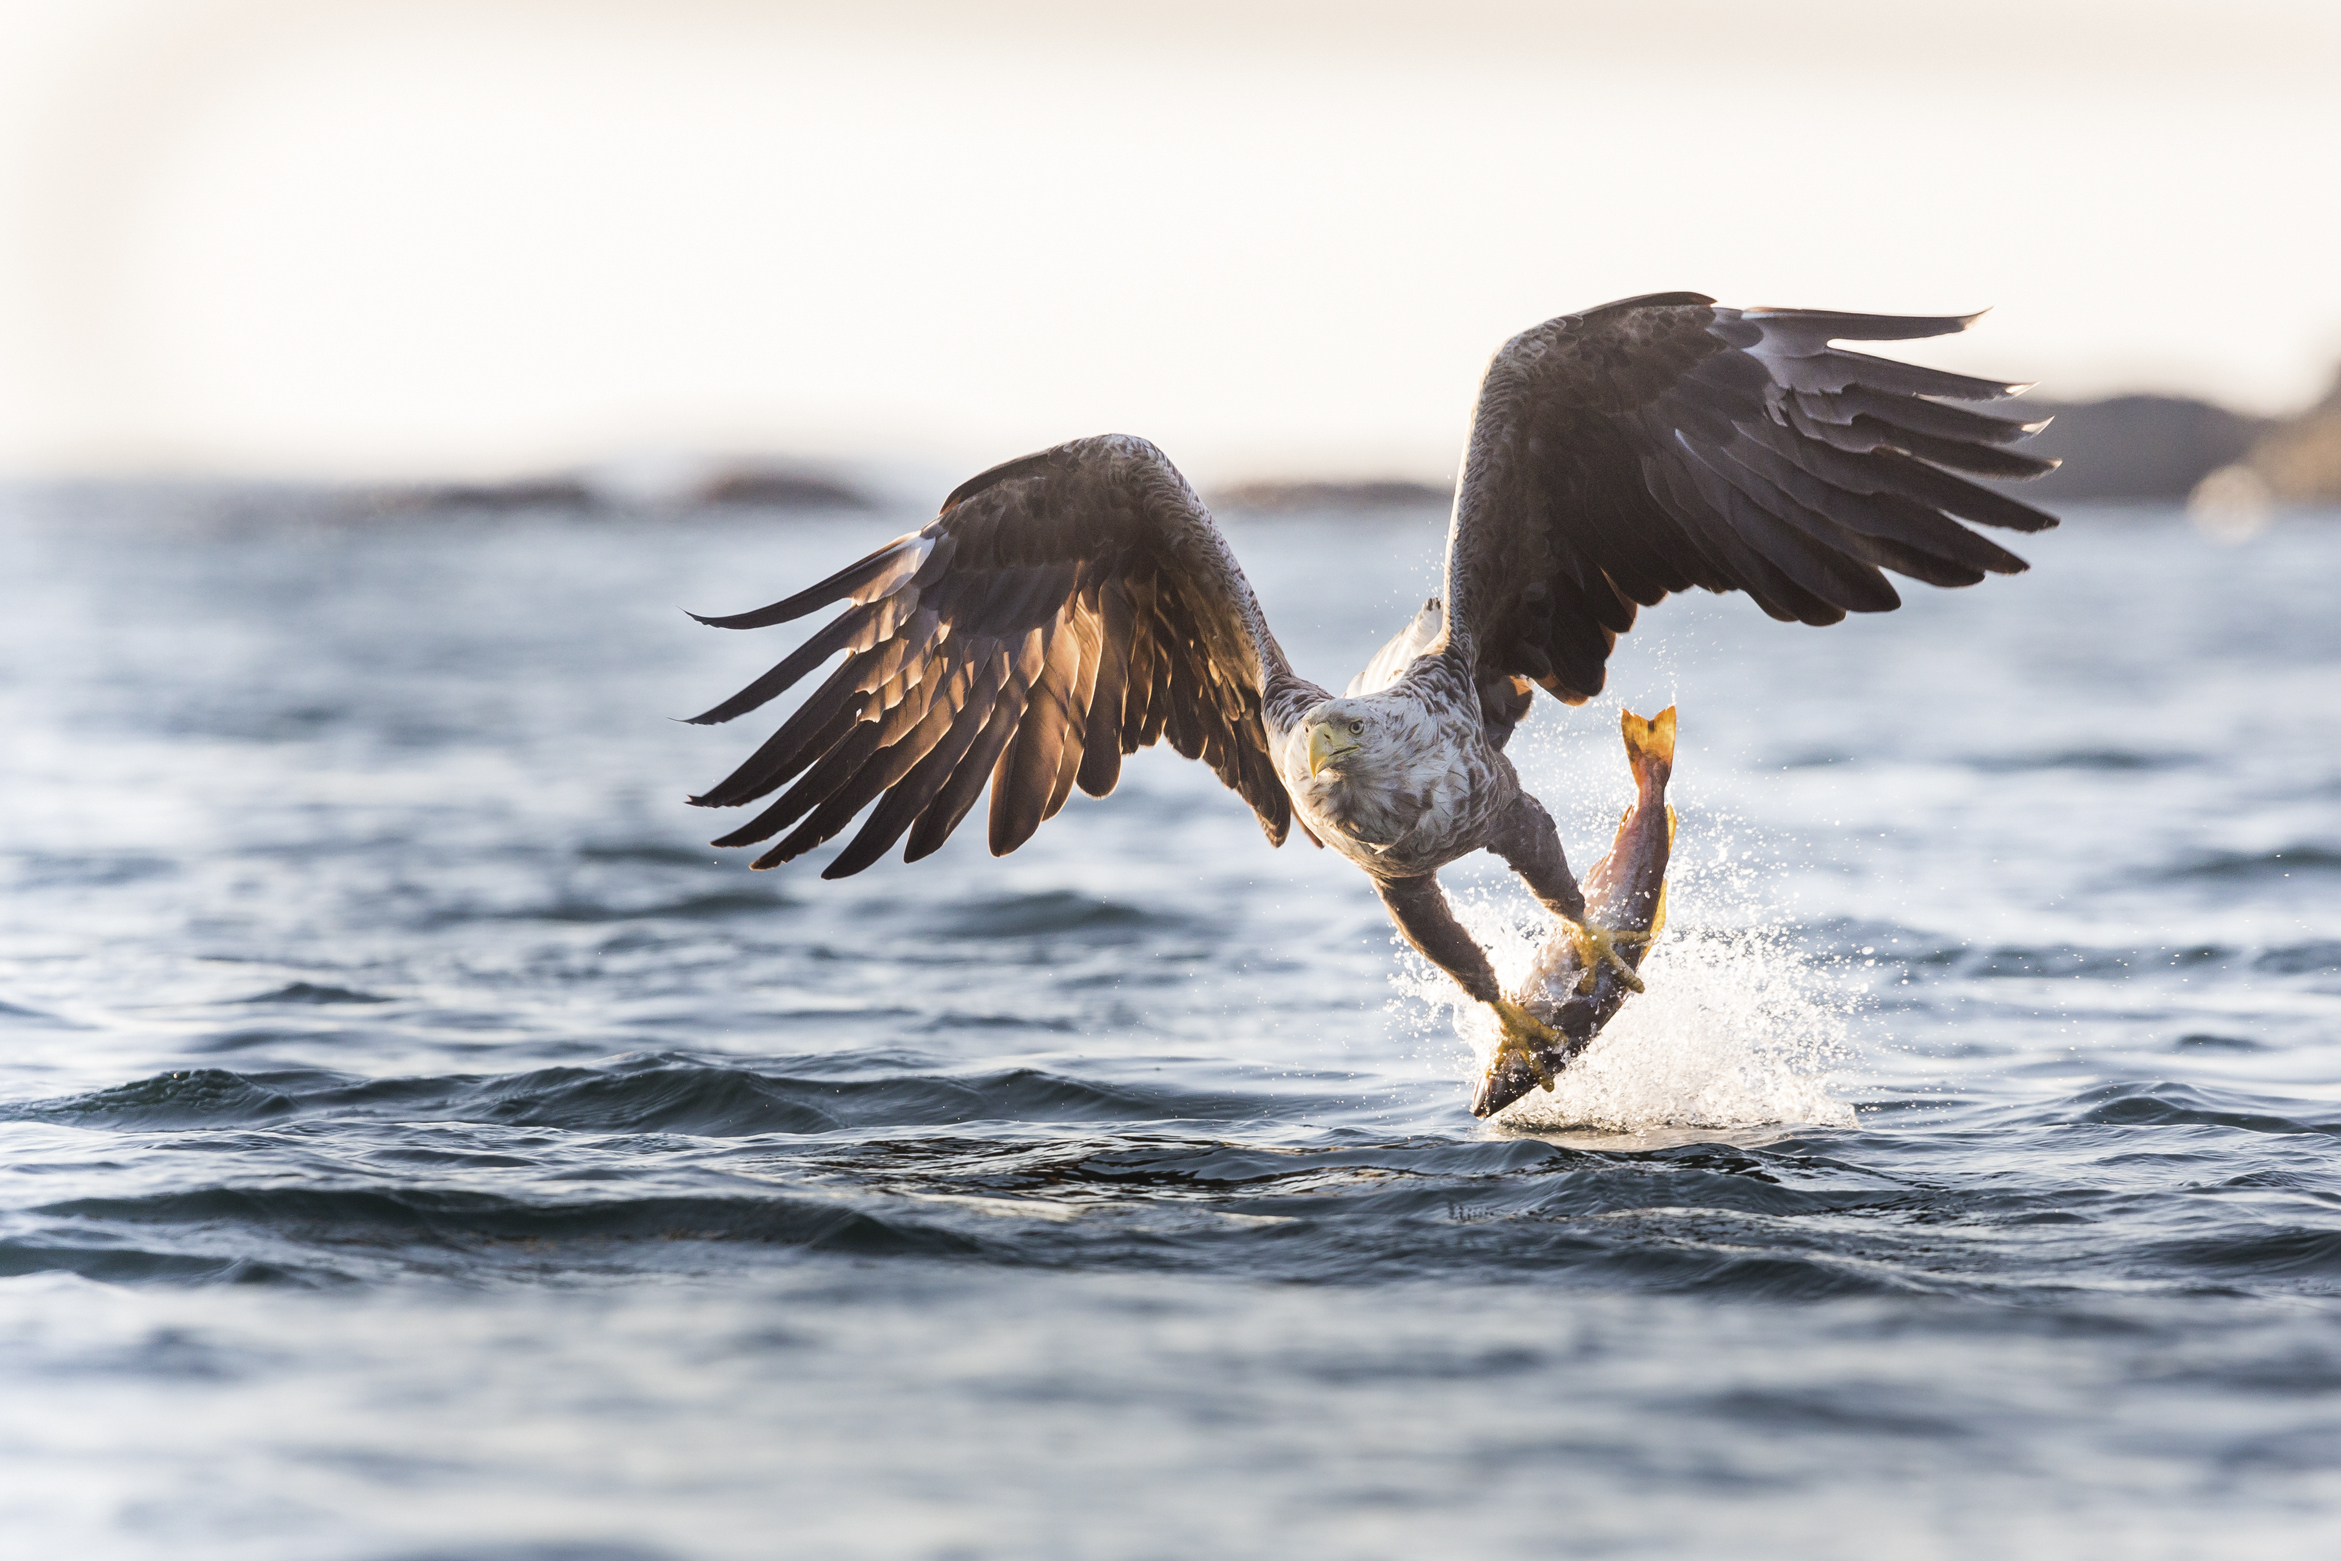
(1649, 746)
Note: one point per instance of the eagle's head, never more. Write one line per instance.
(1363, 769)
(1352, 741)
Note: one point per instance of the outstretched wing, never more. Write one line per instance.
(1063, 610)
(1661, 443)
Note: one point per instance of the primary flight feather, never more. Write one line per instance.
(1077, 604)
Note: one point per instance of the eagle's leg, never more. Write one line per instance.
(1525, 838)
(1419, 907)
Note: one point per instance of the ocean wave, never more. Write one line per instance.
(1829, 1410)
(2097, 760)
(1058, 912)
(253, 1037)
(51, 869)
(2255, 866)
(2055, 960)
(2205, 1041)
(456, 1216)
(1926, 956)
(193, 1097)
(2320, 958)
(655, 853)
(2256, 1256)
(710, 906)
(313, 993)
(2173, 1105)
(649, 1094)
(131, 1265)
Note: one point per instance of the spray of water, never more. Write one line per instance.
(1739, 1026)
(1738, 1029)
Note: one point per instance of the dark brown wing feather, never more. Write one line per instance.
(1661, 443)
(1063, 610)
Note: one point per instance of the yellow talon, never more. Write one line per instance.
(1524, 1036)
(1598, 946)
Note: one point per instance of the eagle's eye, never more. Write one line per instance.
(1357, 726)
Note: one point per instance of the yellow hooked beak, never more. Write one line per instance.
(1328, 741)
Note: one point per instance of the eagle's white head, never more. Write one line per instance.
(1373, 774)
(1360, 746)
(1344, 740)
(1364, 768)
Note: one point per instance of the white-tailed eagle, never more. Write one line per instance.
(1078, 604)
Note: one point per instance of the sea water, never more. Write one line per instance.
(414, 1142)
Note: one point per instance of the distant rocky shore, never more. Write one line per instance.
(742, 484)
(2131, 447)
(1294, 498)
(2299, 458)
(2174, 448)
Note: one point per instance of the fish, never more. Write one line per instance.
(1572, 985)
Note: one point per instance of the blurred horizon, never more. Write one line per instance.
(356, 240)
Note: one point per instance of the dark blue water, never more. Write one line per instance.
(417, 1144)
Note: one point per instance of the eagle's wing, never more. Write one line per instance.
(1061, 611)
(1662, 442)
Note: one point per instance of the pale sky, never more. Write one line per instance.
(358, 238)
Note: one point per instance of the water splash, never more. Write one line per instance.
(1739, 1028)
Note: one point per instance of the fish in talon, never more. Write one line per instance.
(1586, 969)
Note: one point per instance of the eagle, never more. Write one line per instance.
(1072, 606)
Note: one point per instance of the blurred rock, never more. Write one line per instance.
(559, 492)
(1277, 498)
(2299, 460)
(2131, 447)
(777, 487)
(631, 485)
